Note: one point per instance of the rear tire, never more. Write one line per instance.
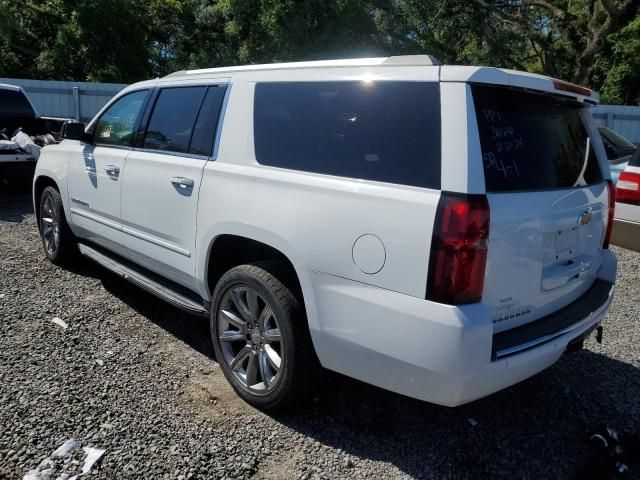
(58, 241)
(260, 337)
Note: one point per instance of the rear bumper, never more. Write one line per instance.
(566, 321)
(626, 234)
(425, 350)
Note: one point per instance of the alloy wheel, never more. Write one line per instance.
(49, 225)
(250, 339)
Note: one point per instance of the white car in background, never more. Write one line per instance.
(626, 227)
(438, 231)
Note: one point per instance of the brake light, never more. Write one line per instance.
(611, 189)
(571, 87)
(628, 188)
(459, 249)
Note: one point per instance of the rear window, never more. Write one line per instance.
(532, 141)
(383, 131)
(15, 103)
(635, 158)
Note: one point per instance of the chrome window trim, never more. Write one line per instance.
(173, 154)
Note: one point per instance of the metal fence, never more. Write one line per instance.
(79, 100)
(621, 118)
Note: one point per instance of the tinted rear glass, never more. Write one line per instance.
(173, 118)
(532, 141)
(635, 158)
(384, 131)
(204, 132)
(15, 103)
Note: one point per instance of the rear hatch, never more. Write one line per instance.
(548, 202)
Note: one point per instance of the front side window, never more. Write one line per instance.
(173, 119)
(116, 126)
(386, 131)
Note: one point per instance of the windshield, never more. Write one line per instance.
(614, 138)
(533, 141)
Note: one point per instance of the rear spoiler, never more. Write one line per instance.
(517, 79)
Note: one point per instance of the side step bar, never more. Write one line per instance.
(143, 281)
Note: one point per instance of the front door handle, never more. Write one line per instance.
(182, 182)
(112, 170)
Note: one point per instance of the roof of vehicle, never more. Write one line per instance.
(447, 73)
(401, 60)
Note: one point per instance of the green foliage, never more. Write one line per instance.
(622, 84)
(592, 42)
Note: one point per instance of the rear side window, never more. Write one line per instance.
(532, 141)
(635, 158)
(173, 118)
(383, 131)
(204, 131)
(15, 103)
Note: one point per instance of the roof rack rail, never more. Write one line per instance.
(412, 60)
(398, 60)
(176, 74)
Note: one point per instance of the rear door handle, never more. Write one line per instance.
(112, 170)
(182, 182)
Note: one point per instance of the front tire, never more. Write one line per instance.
(260, 338)
(58, 241)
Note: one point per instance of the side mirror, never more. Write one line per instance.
(74, 131)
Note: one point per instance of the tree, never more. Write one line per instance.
(591, 42)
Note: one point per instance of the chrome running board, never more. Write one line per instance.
(139, 279)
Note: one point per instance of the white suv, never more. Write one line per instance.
(438, 231)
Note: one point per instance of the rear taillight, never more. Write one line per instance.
(611, 189)
(628, 188)
(459, 249)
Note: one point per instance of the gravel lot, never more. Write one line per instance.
(136, 377)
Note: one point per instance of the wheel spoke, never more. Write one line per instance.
(273, 357)
(265, 370)
(272, 335)
(252, 304)
(233, 336)
(240, 303)
(266, 314)
(252, 369)
(234, 320)
(47, 220)
(242, 355)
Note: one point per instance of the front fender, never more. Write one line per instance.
(53, 163)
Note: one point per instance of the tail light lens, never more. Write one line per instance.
(628, 188)
(459, 249)
(612, 207)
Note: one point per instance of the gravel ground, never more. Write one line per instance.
(136, 378)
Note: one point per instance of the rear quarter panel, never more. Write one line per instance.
(314, 219)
